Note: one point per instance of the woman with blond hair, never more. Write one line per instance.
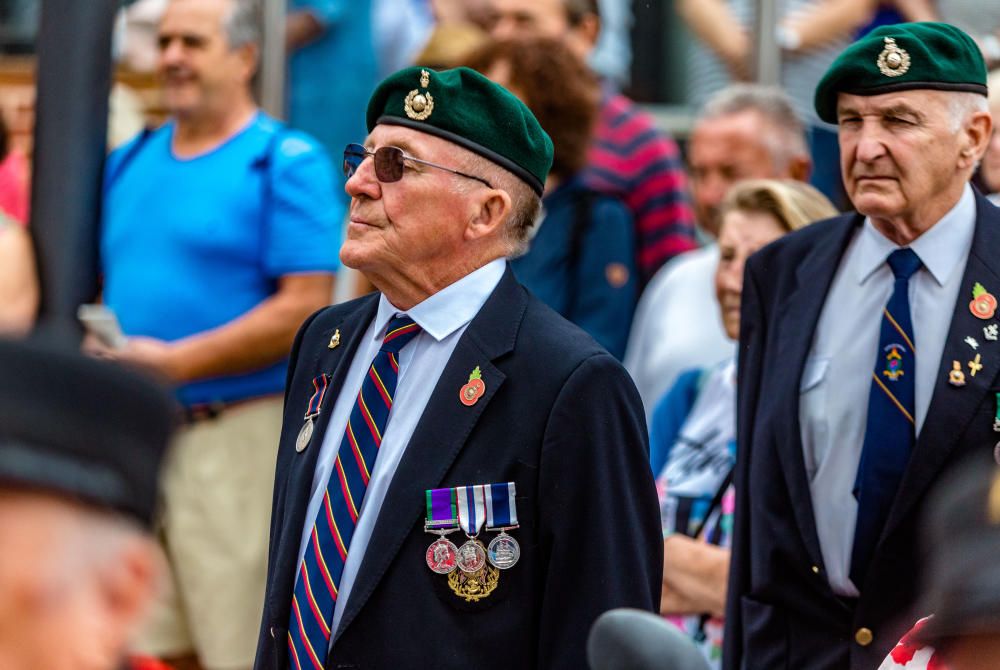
(693, 427)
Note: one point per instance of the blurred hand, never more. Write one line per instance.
(150, 354)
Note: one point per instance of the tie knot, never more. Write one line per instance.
(904, 262)
(401, 330)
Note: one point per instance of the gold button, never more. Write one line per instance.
(815, 569)
(863, 637)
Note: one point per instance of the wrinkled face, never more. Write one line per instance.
(723, 151)
(742, 233)
(899, 152)
(418, 222)
(49, 613)
(198, 69)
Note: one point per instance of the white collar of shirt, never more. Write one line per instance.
(449, 309)
(941, 249)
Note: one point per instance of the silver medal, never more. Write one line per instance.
(503, 551)
(471, 556)
(442, 556)
(305, 434)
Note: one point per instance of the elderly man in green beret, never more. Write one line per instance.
(462, 477)
(869, 360)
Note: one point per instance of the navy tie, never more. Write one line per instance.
(890, 431)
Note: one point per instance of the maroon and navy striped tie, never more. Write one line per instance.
(318, 579)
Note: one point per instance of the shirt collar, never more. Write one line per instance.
(941, 249)
(449, 309)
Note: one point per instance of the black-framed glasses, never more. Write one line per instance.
(389, 163)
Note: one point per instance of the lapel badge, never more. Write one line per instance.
(418, 106)
(894, 61)
(971, 341)
(975, 365)
(956, 377)
(473, 390)
(893, 363)
(996, 420)
(991, 332)
(983, 305)
(335, 340)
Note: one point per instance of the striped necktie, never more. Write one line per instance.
(318, 578)
(890, 431)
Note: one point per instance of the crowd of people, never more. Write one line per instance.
(522, 360)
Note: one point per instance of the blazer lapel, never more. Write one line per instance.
(800, 312)
(953, 407)
(441, 433)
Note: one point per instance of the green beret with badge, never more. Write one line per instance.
(464, 107)
(903, 57)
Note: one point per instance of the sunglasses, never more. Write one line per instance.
(389, 163)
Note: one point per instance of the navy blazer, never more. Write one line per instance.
(560, 418)
(781, 611)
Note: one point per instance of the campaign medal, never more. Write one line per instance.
(442, 555)
(996, 420)
(501, 514)
(474, 579)
(473, 390)
(983, 305)
(320, 384)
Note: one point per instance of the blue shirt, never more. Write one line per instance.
(600, 292)
(188, 245)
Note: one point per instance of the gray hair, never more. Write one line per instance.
(242, 25)
(962, 105)
(787, 136)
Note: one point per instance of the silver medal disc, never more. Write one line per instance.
(442, 556)
(503, 551)
(471, 556)
(305, 434)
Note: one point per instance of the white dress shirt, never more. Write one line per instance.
(443, 317)
(833, 392)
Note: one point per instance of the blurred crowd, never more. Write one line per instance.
(221, 229)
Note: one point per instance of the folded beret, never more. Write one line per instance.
(903, 57)
(464, 107)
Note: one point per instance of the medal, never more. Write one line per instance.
(471, 556)
(442, 556)
(320, 385)
(501, 514)
(474, 586)
(996, 420)
(503, 551)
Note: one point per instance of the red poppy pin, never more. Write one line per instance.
(983, 305)
(473, 390)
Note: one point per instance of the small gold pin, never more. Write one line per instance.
(956, 377)
(975, 365)
(335, 340)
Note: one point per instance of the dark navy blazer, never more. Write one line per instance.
(781, 611)
(560, 418)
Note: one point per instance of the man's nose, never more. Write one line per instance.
(364, 182)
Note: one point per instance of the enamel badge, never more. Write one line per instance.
(956, 377)
(473, 389)
(983, 305)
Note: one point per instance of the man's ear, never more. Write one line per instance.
(588, 29)
(130, 586)
(975, 139)
(249, 55)
(490, 214)
(800, 168)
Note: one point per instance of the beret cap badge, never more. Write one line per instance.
(893, 61)
(419, 106)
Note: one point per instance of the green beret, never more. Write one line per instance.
(464, 107)
(903, 57)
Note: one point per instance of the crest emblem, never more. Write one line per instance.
(893, 363)
(419, 106)
(893, 61)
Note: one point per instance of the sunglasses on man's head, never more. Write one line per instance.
(389, 163)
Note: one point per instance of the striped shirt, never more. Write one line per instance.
(633, 160)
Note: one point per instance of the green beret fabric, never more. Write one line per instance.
(935, 56)
(464, 107)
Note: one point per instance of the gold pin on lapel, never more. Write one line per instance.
(335, 340)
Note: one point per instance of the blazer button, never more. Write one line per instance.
(815, 569)
(863, 637)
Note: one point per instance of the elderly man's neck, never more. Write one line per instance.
(414, 285)
(903, 230)
(204, 130)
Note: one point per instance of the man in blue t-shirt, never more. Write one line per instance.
(220, 235)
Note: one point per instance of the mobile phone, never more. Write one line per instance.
(100, 320)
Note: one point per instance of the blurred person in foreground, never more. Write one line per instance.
(581, 255)
(81, 443)
(868, 360)
(629, 157)
(18, 278)
(961, 583)
(457, 459)
(219, 237)
(693, 432)
(745, 131)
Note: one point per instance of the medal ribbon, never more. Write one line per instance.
(472, 508)
(441, 508)
(501, 508)
(996, 421)
(320, 384)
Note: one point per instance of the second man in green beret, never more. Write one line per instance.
(462, 477)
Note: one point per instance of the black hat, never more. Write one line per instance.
(961, 544)
(81, 427)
